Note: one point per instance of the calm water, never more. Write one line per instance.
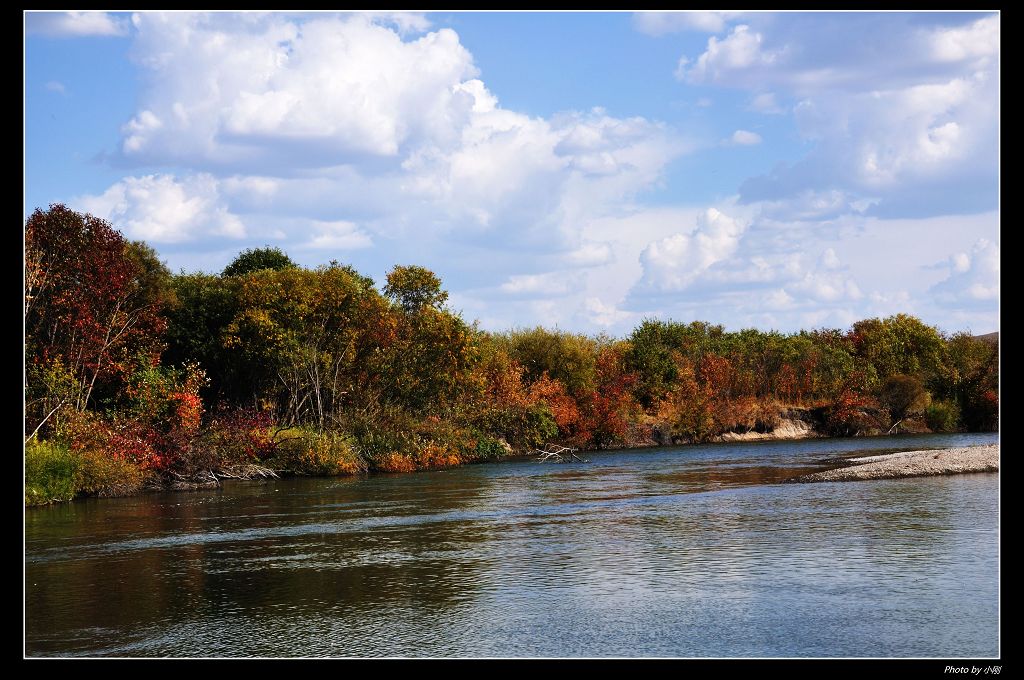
(690, 552)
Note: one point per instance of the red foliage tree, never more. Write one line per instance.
(605, 411)
(93, 305)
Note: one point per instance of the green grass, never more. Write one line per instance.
(50, 473)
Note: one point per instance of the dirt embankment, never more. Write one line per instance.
(913, 464)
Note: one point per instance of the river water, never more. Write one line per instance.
(681, 552)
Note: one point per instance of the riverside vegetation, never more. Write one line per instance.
(137, 378)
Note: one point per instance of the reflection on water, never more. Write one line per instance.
(695, 551)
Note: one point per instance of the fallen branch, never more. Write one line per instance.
(246, 471)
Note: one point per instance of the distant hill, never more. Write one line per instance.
(992, 338)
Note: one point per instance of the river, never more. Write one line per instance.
(678, 552)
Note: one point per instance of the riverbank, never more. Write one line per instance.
(912, 464)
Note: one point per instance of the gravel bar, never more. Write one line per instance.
(913, 464)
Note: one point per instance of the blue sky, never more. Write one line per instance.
(579, 170)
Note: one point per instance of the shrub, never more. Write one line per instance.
(437, 455)
(240, 435)
(385, 449)
(103, 475)
(903, 395)
(320, 453)
(55, 472)
(489, 448)
(848, 415)
(50, 470)
(942, 416)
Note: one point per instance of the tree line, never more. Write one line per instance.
(135, 375)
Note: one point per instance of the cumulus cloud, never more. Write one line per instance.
(904, 149)
(661, 23)
(589, 254)
(343, 116)
(75, 24)
(673, 263)
(602, 314)
(745, 138)
(546, 285)
(810, 205)
(826, 282)
(337, 235)
(405, 22)
(973, 279)
(329, 91)
(359, 138)
(913, 131)
(741, 50)
(806, 53)
(163, 209)
(976, 43)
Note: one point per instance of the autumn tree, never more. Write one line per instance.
(93, 310)
(414, 288)
(569, 358)
(899, 344)
(903, 395)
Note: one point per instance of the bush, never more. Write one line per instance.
(903, 395)
(103, 475)
(50, 470)
(942, 416)
(241, 435)
(320, 453)
(54, 472)
(488, 448)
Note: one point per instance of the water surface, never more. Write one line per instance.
(688, 552)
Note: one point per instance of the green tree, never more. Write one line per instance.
(899, 344)
(903, 395)
(257, 259)
(414, 288)
(569, 358)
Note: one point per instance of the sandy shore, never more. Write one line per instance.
(913, 464)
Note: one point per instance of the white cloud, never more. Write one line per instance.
(411, 158)
(606, 315)
(831, 271)
(807, 53)
(273, 91)
(973, 279)
(337, 235)
(810, 205)
(829, 260)
(660, 23)
(405, 22)
(740, 50)
(590, 254)
(343, 116)
(56, 86)
(162, 209)
(765, 102)
(826, 284)
(674, 262)
(976, 42)
(75, 24)
(745, 138)
(908, 132)
(922, 148)
(547, 285)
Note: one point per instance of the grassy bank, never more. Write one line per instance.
(59, 471)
